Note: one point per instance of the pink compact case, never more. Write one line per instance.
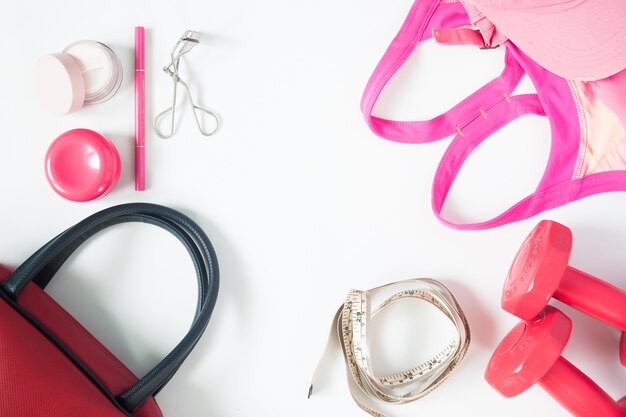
(82, 165)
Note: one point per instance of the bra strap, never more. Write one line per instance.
(461, 147)
(424, 16)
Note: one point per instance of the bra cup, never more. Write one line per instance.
(604, 119)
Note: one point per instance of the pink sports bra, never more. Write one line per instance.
(587, 119)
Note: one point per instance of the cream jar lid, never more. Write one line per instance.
(59, 83)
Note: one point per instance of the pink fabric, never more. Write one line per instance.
(460, 36)
(493, 106)
(491, 35)
(576, 39)
(424, 16)
(604, 114)
(561, 109)
(461, 147)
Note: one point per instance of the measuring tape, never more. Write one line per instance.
(351, 328)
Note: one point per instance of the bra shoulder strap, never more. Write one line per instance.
(424, 16)
(462, 146)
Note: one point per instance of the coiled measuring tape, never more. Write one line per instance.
(351, 328)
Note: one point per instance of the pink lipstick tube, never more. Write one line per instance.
(140, 110)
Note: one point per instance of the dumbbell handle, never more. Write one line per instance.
(577, 392)
(592, 296)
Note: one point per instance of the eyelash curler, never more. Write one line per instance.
(185, 43)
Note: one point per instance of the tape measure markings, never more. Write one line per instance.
(351, 324)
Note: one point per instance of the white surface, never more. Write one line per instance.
(300, 199)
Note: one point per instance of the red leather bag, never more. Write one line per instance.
(51, 366)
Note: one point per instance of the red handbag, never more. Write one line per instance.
(51, 366)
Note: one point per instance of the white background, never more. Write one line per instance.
(300, 199)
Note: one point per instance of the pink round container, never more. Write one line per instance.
(82, 165)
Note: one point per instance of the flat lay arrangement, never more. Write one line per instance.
(236, 130)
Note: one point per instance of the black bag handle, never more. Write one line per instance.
(44, 263)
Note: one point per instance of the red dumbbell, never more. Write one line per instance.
(531, 353)
(540, 271)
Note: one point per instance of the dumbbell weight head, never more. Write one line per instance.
(528, 352)
(537, 269)
(531, 353)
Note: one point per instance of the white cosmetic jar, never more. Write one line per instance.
(86, 72)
